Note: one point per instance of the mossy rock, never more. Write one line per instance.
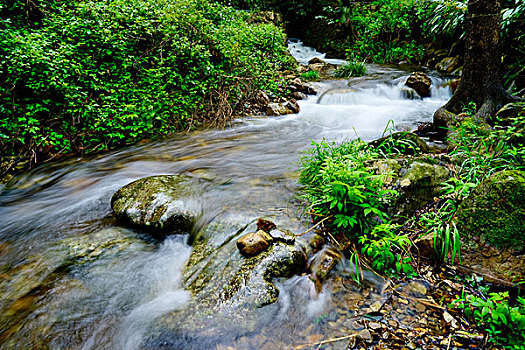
(510, 111)
(406, 143)
(162, 204)
(495, 210)
(419, 185)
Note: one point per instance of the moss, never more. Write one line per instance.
(495, 210)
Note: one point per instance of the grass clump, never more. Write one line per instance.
(351, 69)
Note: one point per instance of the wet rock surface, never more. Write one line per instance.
(420, 82)
(162, 204)
(232, 297)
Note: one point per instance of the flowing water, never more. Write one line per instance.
(59, 291)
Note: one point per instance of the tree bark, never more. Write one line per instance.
(481, 81)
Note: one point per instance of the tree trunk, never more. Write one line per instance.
(481, 78)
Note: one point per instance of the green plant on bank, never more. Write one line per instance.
(86, 75)
(396, 143)
(310, 75)
(338, 184)
(480, 151)
(351, 69)
(503, 322)
(388, 250)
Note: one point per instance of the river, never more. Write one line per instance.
(107, 300)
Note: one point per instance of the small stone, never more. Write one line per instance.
(254, 243)
(265, 225)
(375, 307)
(281, 236)
(365, 335)
(417, 288)
(375, 325)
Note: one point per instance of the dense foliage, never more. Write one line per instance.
(341, 188)
(85, 75)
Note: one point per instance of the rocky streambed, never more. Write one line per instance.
(79, 274)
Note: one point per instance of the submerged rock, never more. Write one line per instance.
(491, 221)
(164, 203)
(419, 82)
(322, 264)
(410, 94)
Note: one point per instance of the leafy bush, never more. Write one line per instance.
(94, 74)
(504, 323)
(386, 31)
(338, 184)
(351, 69)
(388, 250)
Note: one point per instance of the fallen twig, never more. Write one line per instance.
(304, 346)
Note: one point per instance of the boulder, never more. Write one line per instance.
(261, 98)
(297, 85)
(254, 243)
(410, 94)
(420, 184)
(420, 82)
(316, 60)
(292, 105)
(448, 64)
(164, 203)
(299, 95)
(491, 222)
(283, 108)
(277, 109)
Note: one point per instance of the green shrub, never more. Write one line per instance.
(503, 322)
(310, 75)
(386, 31)
(337, 183)
(96, 74)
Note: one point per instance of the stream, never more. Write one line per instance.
(60, 291)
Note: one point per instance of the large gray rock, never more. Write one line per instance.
(417, 181)
(164, 203)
